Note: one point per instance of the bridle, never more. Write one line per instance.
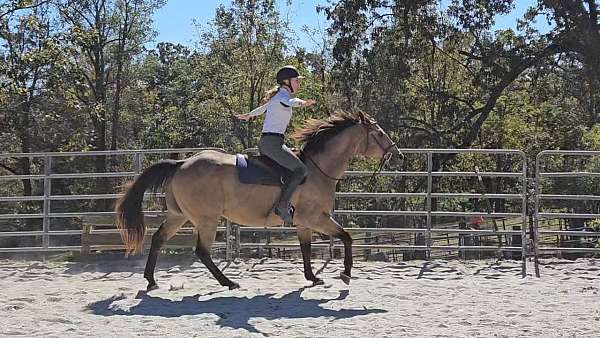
(387, 155)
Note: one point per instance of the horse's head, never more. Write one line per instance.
(377, 143)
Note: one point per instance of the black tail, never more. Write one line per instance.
(129, 218)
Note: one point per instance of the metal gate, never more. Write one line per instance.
(590, 169)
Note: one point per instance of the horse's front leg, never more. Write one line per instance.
(305, 238)
(327, 225)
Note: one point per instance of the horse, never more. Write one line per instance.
(205, 187)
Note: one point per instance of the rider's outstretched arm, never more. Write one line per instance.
(258, 110)
(255, 112)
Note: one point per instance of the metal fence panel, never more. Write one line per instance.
(233, 237)
(540, 174)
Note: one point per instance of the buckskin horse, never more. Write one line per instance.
(211, 184)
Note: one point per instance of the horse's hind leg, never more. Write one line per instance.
(207, 229)
(305, 238)
(161, 236)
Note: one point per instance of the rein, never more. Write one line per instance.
(387, 155)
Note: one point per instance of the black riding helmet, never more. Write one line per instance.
(286, 73)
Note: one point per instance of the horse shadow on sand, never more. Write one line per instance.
(233, 312)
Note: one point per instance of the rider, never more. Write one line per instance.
(278, 109)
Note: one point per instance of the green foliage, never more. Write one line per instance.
(591, 138)
(432, 73)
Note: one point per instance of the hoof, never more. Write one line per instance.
(345, 278)
(151, 286)
(234, 285)
(317, 281)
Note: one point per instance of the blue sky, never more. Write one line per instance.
(175, 21)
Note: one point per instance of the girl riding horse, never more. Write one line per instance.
(278, 112)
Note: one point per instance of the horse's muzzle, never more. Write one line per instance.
(397, 157)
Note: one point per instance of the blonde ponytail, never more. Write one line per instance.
(269, 94)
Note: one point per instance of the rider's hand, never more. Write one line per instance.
(244, 117)
(309, 103)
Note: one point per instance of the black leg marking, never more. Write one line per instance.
(158, 240)
(205, 258)
(308, 273)
(347, 240)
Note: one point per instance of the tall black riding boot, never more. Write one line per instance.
(283, 207)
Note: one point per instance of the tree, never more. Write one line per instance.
(577, 33)
(169, 98)
(28, 51)
(10, 7)
(105, 36)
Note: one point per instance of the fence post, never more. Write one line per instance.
(331, 243)
(86, 237)
(524, 248)
(228, 241)
(367, 251)
(232, 241)
(46, 207)
(238, 240)
(137, 163)
(538, 191)
(429, 188)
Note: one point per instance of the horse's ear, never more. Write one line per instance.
(364, 119)
(361, 117)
